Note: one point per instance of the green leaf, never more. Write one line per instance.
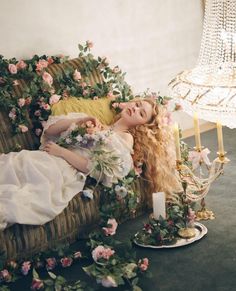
(52, 275)
(35, 274)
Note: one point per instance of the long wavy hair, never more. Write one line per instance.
(154, 148)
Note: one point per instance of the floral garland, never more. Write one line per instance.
(43, 91)
(114, 263)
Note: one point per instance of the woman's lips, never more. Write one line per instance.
(129, 111)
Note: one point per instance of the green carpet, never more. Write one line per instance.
(206, 265)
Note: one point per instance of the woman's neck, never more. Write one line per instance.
(119, 125)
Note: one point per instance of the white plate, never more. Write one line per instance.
(201, 230)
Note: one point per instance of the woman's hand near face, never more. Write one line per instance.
(54, 149)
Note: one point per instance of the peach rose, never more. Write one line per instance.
(47, 78)
(21, 65)
(54, 99)
(76, 75)
(23, 128)
(21, 102)
(12, 68)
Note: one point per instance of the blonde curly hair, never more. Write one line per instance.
(154, 148)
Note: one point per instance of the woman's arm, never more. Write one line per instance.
(64, 124)
(77, 161)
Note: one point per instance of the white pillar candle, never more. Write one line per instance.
(177, 143)
(159, 205)
(197, 132)
(220, 139)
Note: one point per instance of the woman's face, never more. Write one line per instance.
(137, 113)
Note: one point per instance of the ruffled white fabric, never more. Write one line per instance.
(35, 186)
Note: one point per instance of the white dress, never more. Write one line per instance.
(35, 186)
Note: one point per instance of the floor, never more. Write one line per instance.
(206, 265)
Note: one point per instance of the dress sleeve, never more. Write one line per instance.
(52, 120)
(112, 162)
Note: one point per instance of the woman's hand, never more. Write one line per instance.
(53, 149)
(97, 124)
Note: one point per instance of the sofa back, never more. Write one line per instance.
(13, 142)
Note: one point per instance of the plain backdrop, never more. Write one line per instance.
(151, 40)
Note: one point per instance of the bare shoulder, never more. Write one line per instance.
(127, 137)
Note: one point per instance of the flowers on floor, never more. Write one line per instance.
(114, 264)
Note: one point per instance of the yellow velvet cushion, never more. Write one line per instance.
(98, 108)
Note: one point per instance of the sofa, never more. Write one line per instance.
(23, 241)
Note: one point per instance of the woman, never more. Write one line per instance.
(35, 186)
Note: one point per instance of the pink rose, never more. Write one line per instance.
(47, 78)
(5, 275)
(21, 65)
(85, 92)
(66, 262)
(42, 64)
(102, 253)
(37, 113)
(26, 265)
(77, 255)
(54, 99)
(37, 284)
(12, 68)
(12, 114)
(38, 131)
(89, 44)
(51, 262)
(76, 75)
(21, 102)
(112, 226)
(143, 264)
(108, 282)
(50, 60)
(23, 128)
(45, 106)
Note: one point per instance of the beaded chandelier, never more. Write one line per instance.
(210, 88)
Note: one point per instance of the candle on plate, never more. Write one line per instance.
(220, 139)
(177, 144)
(197, 131)
(159, 205)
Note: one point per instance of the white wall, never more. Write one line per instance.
(151, 40)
